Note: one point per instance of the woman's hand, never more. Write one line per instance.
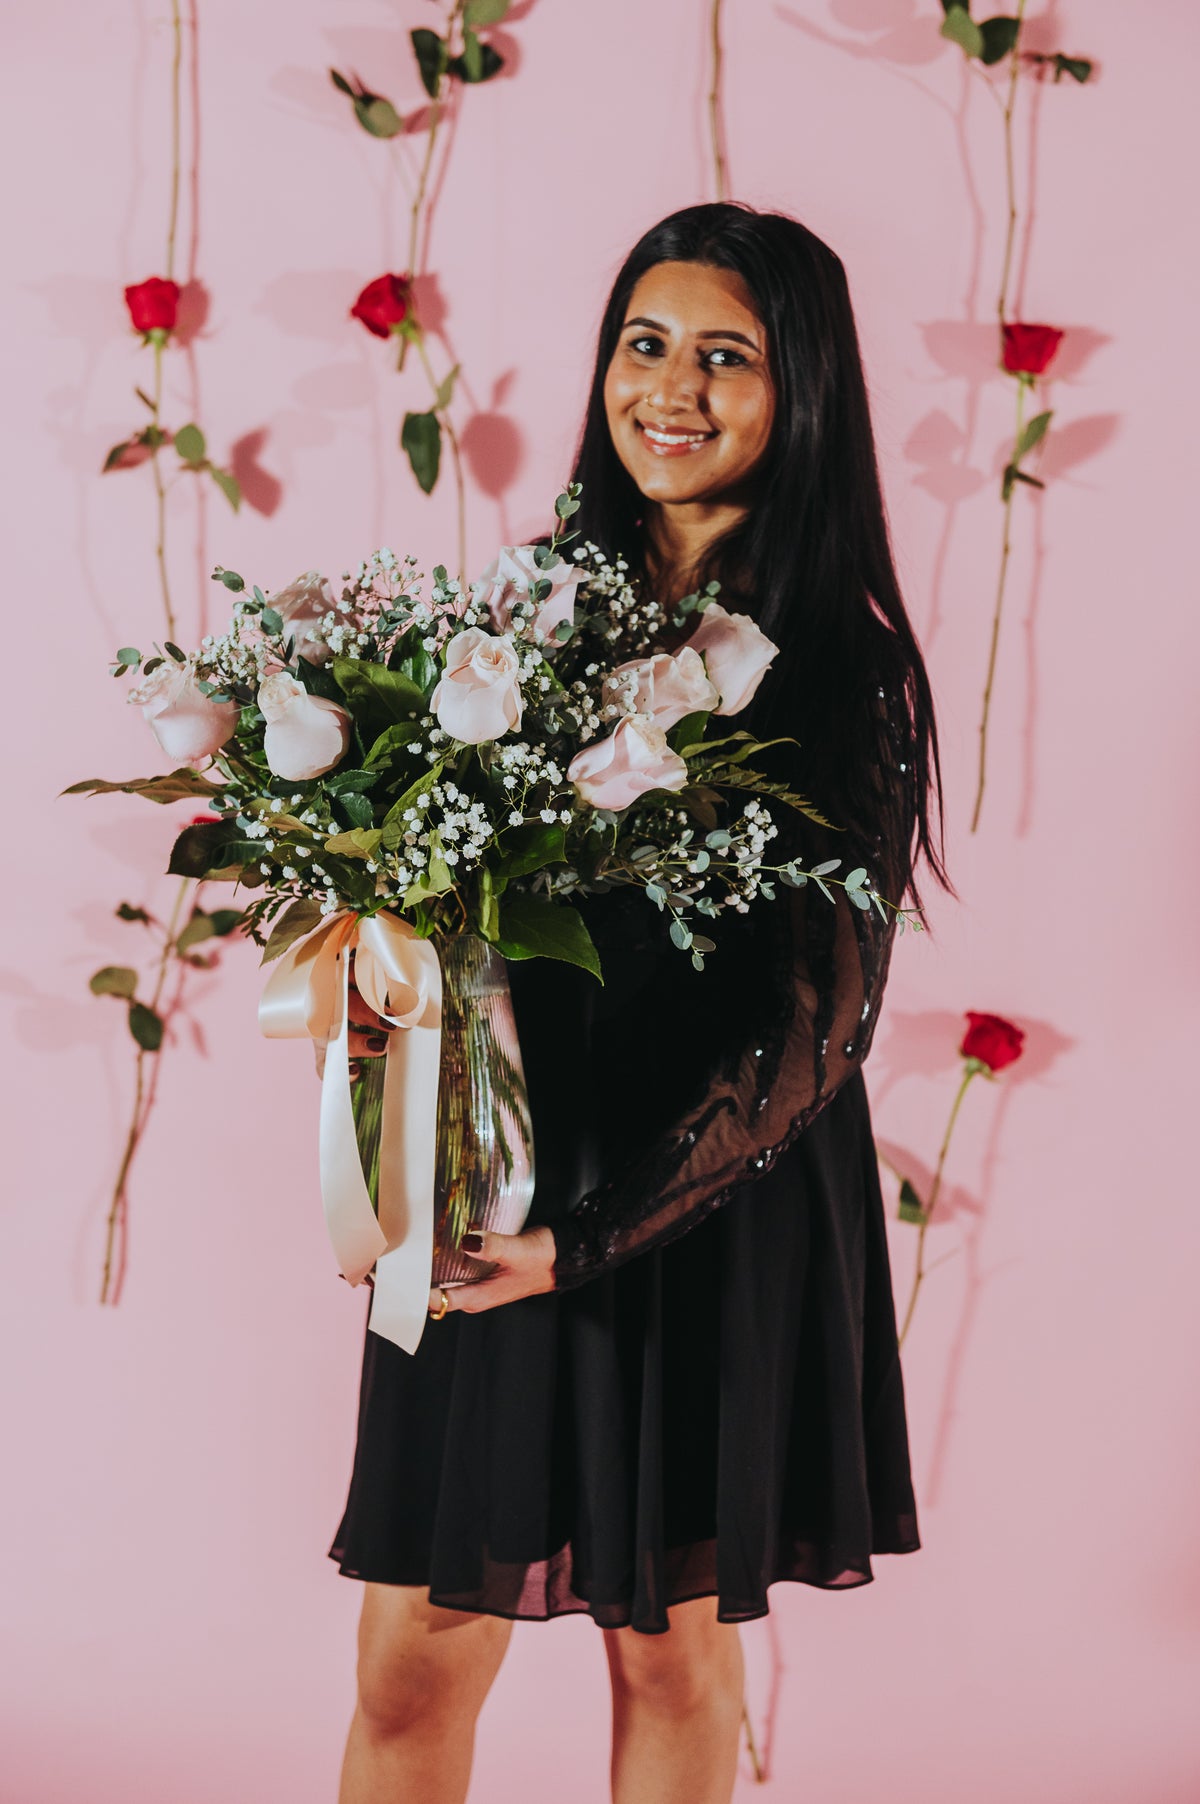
(524, 1268)
(368, 1035)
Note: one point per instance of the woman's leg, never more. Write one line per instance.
(423, 1674)
(677, 1709)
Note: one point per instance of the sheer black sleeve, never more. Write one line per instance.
(815, 972)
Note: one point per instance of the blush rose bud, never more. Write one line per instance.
(508, 579)
(479, 697)
(187, 723)
(666, 686)
(302, 606)
(306, 734)
(613, 773)
(736, 655)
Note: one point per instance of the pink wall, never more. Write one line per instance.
(177, 1466)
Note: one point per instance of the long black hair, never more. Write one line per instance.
(812, 561)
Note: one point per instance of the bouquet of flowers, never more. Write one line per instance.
(403, 767)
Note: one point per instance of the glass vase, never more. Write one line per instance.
(484, 1169)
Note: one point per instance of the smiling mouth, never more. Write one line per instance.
(664, 443)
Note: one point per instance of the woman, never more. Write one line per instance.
(681, 1384)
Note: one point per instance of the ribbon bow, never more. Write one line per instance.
(399, 975)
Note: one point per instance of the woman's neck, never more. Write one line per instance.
(679, 537)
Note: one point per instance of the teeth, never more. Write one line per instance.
(675, 438)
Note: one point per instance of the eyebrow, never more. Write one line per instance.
(657, 326)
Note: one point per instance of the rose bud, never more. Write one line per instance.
(1029, 349)
(479, 697)
(736, 654)
(666, 686)
(153, 304)
(306, 734)
(991, 1040)
(302, 606)
(384, 305)
(187, 723)
(508, 579)
(612, 773)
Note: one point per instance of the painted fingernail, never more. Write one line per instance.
(377, 1042)
(472, 1241)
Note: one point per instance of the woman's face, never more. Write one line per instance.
(688, 393)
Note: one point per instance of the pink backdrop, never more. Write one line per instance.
(176, 1466)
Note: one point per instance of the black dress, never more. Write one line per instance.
(711, 1399)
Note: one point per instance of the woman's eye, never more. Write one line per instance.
(647, 346)
(729, 359)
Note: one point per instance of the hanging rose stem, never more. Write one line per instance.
(137, 1120)
(172, 229)
(436, 109)
(1005, 551)
(455, 458)
(973, 1069)
(714, 103)
(752, 1747)
(1010, 238)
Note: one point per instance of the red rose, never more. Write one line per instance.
(992, 1040)
(1029, 349)
(384, 304)
(206, 820)
(153, 305)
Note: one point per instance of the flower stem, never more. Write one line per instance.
(714, 102)
(1010, 237)
(752, 1747)
(176, 63)
(436, 109)
(1005, 551)
(160, 493)
(118, 1209)
(455, 458)
(971, 1071)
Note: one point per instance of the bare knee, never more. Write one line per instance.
(695, 1668)
(422, 1669)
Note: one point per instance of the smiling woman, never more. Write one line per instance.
(681, 1384)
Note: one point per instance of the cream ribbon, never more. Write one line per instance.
(399, 975)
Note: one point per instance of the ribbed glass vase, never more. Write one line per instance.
(484, 1173)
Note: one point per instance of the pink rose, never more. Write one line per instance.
(635, 758)
(479, 697)
(736, 654)
(186, 722)
(666, 686)
(306, 734)
(302, 606)
(510, 578)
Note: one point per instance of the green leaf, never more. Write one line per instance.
(377, 116)
(358, 807)
(689, 731)
(128, 655)
(394, 825)
(962, 30)
(999, 37)
(479, 62)
(176, 786)
(347, 782)
(359, 842)
(114, 980)
(226, 920)
(145, 1026)
(911, 1208)
(391, 742)
(421, 440)
(445, 387)
(681, 935)
(430, 53)
(271, 620)
(198, 929)
(231, 579)
(1032, 434)
(485, 12)
(531, 927)
(1078, 66)
(203, 851)
(296, 920)
(530, 848)
(856, 878)
(565, 506)
(127, 912)
(113, 460)
(190, 443)
(340, 83)
(376, 695)
(229, 486)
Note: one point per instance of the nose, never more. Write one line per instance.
(674, 384)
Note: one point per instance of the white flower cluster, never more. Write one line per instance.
(444, 823)
(524, 769)
(635, 621)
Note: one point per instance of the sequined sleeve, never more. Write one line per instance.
(815, 972)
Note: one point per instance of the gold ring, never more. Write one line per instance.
(437, 1314)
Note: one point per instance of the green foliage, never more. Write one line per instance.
(176, 786)
(229, 486)
(190, 444)
(445, 388)
(485, 12)
(205, 851)
(1032, 434)
(532, 927)
(1077, 66)
(999, 37)
(127, 912)
(430, 53)
(530, 848)
(962, 30)
(296, 920)
(421, 440)
(911, 1208)
(146, 1026)
(230, 578)
(114, 980)
(376, 697)
(391, 743)
(478, 62)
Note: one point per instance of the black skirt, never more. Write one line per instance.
(715, 1415)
